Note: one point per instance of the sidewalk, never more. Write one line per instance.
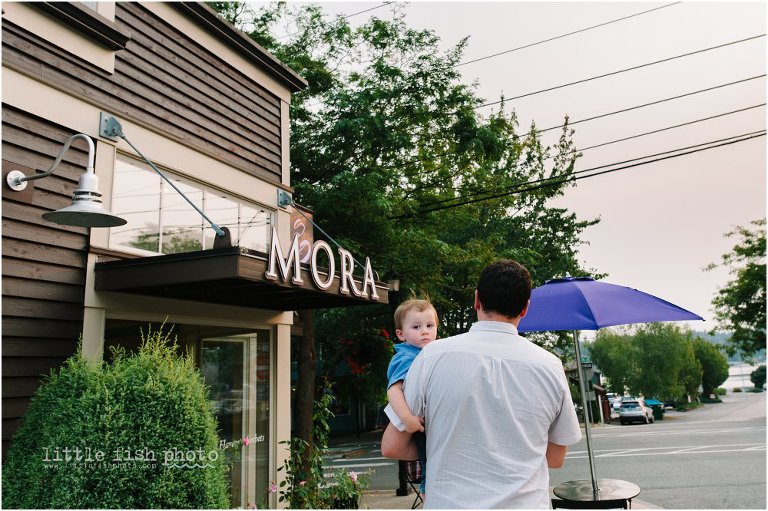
(386, 499)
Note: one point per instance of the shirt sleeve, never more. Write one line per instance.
(565, 428)
(398, 368)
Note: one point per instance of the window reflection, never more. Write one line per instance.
(137, 199)
(161, 221)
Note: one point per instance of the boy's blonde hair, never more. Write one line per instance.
(414, 304)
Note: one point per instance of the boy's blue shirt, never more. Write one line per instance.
(401, 362)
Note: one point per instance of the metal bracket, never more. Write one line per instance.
(14, 180)
(109, 127)
(284, 199)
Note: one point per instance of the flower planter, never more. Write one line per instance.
(348, 503)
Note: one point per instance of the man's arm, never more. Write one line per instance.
(398, 444)
(556, 455)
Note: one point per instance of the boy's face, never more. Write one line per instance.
(419, 328)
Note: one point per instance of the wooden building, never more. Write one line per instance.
(208, 107)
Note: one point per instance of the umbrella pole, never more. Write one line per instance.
(583, 387)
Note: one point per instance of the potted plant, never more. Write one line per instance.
(347, 488)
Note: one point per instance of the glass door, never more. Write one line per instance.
(224, 367)
(238, 371)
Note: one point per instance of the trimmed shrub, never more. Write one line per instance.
(737, 389)
(137, 433)
(720, 391)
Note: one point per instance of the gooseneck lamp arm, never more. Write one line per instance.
(16, 179)
(111, 128)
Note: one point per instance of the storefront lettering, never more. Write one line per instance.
(285, 268)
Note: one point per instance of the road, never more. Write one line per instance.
(713, 457)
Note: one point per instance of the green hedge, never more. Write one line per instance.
(135, 422)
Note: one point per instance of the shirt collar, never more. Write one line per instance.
(493, 326)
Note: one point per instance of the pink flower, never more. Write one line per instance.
(273, 488)
(353, 476)
(302, 483)
(246, 441)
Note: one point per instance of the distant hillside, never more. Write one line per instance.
(721, 338)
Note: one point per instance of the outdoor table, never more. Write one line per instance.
(612, 493)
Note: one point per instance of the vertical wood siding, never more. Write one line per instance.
(43, 263)
(168, 82)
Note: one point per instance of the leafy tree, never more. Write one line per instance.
(758, 377)
(655, 360)
(740, 305)
(691, 371)
(661, 355)
(714, 365)
(614, 354)
(431, 190)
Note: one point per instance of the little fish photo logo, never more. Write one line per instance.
(126, 457)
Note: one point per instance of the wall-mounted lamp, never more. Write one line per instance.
(86, 209)
(110, 128)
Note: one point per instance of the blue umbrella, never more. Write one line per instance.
(582, 303)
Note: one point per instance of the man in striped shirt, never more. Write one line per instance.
(497, 409)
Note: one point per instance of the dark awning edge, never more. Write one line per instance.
(227, 276)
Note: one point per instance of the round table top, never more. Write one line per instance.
(609, 489)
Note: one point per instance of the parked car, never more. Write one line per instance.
(635, 411)
(622, 399)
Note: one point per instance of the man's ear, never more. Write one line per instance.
(525, 310)
(478, 305)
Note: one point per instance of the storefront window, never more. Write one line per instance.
(160, 221)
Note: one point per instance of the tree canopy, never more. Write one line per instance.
(391, 153)
(658, 360)
(389, 150)
(740, 304)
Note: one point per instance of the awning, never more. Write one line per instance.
(227, 276)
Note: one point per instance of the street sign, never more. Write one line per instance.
(586, 365)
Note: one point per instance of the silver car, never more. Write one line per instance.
(635, 411)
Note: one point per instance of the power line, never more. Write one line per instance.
(564, 35)
(638, 135)
(482, 192)
(612, 73)
(600, 116)
(571, 123)
(667, 128)
(343, 17)
(367, 10)
(553, 181)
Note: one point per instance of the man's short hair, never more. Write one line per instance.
(504, 287)
(413, 304)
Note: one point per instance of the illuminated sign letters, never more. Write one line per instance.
(285, 268)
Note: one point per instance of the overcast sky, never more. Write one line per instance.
(663, 222)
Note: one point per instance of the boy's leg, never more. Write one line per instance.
(398, 445)
(420, 439)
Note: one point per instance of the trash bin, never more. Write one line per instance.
(658, 412)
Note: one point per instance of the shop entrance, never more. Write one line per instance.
(237, 368)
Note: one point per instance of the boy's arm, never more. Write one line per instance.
(400, 407)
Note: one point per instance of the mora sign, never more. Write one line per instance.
(289, 268)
